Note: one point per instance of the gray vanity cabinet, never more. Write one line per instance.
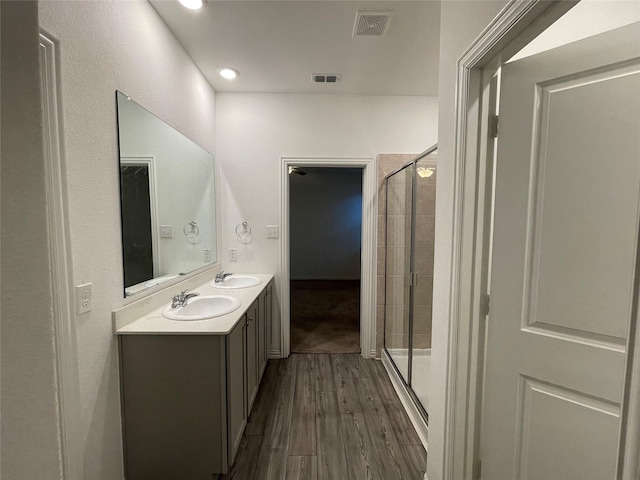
(174, 406)
(253, 379)
(237, 409)
(186, 398)
(264, 327)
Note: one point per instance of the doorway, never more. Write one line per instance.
(556, 247)
(366, 292)
(325, 232)
(140, 245)
(563, 261)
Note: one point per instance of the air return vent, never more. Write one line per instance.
(325, 77)
(372, 24)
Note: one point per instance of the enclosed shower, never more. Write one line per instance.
(409, 239)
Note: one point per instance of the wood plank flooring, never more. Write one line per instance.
(328, 416)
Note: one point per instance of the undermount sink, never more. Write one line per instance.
(238, 281)
(201, 308)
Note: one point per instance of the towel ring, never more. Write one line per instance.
(192, 232)
(191, 229)
(246, 230)
(243, 232)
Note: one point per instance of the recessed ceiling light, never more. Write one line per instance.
(191, 4)
(228, 73)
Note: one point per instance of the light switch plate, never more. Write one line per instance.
(206, 254)
(233, 254)
(166, 231)
(273, 231)
(84, 302)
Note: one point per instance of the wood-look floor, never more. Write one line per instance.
(328, 416)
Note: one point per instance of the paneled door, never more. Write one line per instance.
(567, 198)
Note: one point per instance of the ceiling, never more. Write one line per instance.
(587, 18)
(277, 45)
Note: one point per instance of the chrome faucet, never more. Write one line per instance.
(180, 299)
(221, 276)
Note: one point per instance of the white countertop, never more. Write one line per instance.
(155, 324)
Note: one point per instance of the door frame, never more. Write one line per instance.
(149, 161)
(517, 24)
(368, 274)
(61, 262)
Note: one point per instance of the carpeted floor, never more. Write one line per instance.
(325, 316)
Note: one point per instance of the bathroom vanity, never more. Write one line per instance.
(188, 386)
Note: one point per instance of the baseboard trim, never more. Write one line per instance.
(407, 402)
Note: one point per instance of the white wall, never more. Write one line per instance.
(30, 436)
(106, 46)
(255, 130)
(325, 224)
(460, 23)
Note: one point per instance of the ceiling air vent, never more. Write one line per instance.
(325, 77)
(372, 24)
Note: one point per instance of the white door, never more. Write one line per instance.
(565, 241)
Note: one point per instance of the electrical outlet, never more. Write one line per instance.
(84, 302)
(206, 254)
(166, 231)
(273, 231)
(233, 254)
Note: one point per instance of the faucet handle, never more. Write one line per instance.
(177, 300)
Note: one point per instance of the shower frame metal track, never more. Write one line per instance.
(407, 382)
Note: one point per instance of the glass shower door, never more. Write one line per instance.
(424, 218)
(409, 241)
(399, 206)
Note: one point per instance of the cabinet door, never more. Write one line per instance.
(268, 314)
(267, 319)
(262, 334)
(236, 387)
(172, 406)
(252, 354)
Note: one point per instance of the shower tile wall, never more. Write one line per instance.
(398, 263)
(399, 243)
(425, 234)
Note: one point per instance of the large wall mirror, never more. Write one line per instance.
(168, 201)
